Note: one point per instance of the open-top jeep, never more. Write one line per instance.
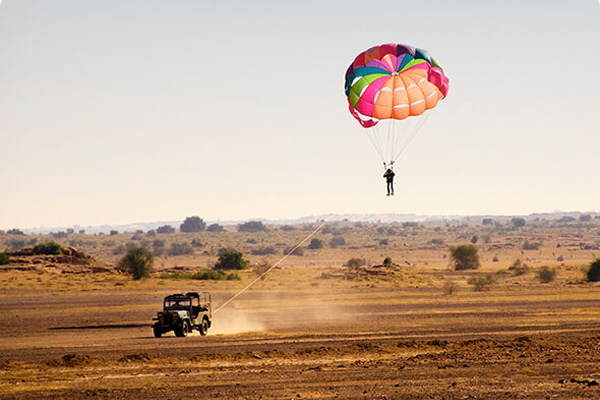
(182, 313)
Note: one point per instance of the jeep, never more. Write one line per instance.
(184, 312)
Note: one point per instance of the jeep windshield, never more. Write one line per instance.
(178, 303)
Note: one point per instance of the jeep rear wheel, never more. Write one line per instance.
(203, 327)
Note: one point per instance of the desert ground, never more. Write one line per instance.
(313, 328)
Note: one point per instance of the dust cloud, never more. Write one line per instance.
(234, 322)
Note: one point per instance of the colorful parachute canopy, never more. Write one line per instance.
(393, 81)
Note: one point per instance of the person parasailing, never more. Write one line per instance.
(388, 88)
(389, 179)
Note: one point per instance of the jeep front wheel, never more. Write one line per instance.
(182, 329)
(157, 331)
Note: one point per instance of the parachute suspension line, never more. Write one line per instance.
(372, 135)
(270, 269)
(412, 132)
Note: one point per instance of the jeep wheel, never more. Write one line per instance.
(203, 327)
(181, 330)
(157, 331)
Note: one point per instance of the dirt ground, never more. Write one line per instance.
(300, 334)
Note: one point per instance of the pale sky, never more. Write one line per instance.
(121, 111)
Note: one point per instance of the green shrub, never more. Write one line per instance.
(192, 224)
(593, 274)
(387, 261)
(292, 250)
(518, 267)
(481, 283)
(337, 241)
(138, 261)
(464, 257)
(531, 245)
(231, 259)
(4, 259)
(546, 274)
(48, 248)
(315, 244)
(355, 263)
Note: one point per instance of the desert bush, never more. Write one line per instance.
(518, 222)
(4, 259)
(49, 248)
(16, 244)
(384, 242)
(215, 228)
(337, 241)
(138, 262)
(518, 267)
(192, 224)
(474, 239)
(449, 287)
(481, 283)
(215, 275)
(165, 229)
(113, 233)
(436, 241)
(315, 244)
(387, 262)
(464, 257)
(180, 249)
(231, 259)
(287, 228)
(251, 226)
(585, 218)
(593, 274)
(197, 243)
(294, 251)
(355, 263)
(487, 221)
(15, 231)
(263, 251)
(531, 245)
(546, 274)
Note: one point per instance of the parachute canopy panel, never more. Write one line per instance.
(393, 81)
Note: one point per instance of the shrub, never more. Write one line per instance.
(518, 267)
(231, 259)
(315, 244)
(593, 274)
(15, 231)
(113, 233)
(384, 242)
(387, 262)
(251, 226)
(547, 274)
(481, 283)
(464, 257)
(192, 224)
(294, 251)
(165, 229)
(355, 263)
(47, 248)
(264, 251)
(449, 287)
(180, 249)
(531, 245)
(518, 222)
(337, 241)
(215, 228)
(585, 218)
(474, 239)
(138, 261)
(287, 228)
(436, 241)
(4, 259)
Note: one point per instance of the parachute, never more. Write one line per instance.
(389, 88)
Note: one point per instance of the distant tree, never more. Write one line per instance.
(192, 224)
(487, 221)
(387, 262)
(138, 262)
(113, 233)
(287, 228)
(215, 228)
(15, 231)
(180, 249)
(294, 251)
(251, 226)
(264, 251)
(474, 239)
(315, 244)
(518, 222)
(436, 241)
(48, 248)
(384, 242)
(232, 259)
(531, 245)
(593, 274)
(355, 263)
(165, 229)
(464, 256)
(337, 241)
(546, 274)
(585, 218)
